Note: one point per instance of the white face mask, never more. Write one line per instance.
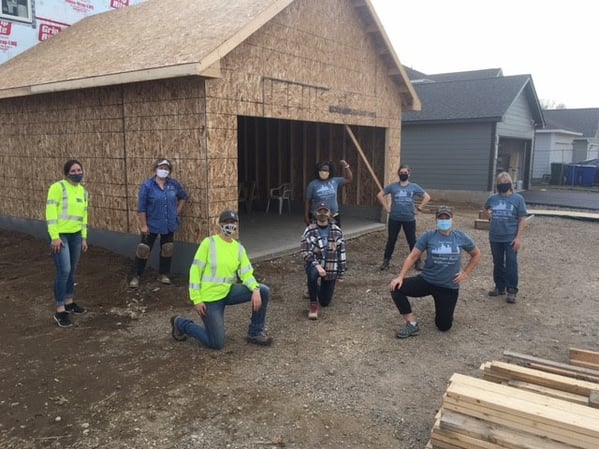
(229, 229)
(162, 173)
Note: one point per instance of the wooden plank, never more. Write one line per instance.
(510, 371)
(550, 392)
(592, 216)
(584, 358)
(505, 419)
(472, 386)
(481, 224)
(556, 419)
(554, 366)
(363, 156)
(483, 430)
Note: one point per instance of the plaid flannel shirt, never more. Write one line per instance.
(330, 256)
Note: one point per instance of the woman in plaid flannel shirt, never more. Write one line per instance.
(323, 250)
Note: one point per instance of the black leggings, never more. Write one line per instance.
(409, 229)
(164, 265)
(445, 299)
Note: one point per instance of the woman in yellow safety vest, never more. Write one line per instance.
(213, 284)
(66, 217)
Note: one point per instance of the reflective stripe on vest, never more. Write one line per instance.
(65, 206)
(211, 277)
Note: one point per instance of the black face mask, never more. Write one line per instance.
(403, 177)
(504, 187)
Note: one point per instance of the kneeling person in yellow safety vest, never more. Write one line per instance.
(218, 262)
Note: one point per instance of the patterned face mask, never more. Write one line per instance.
(229, 228)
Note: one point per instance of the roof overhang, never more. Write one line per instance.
(213, 71)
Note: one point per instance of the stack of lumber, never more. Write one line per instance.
(482, 222)
(520, 407)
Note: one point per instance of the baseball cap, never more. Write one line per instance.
(228, 215)
(322, 205)
(444, 210)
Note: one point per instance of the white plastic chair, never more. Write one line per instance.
(280, 193)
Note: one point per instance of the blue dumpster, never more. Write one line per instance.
(580, 175)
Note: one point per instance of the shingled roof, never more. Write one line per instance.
(584, 120)
(472, 99)
(157, 39)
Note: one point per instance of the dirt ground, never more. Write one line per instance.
(118, 379)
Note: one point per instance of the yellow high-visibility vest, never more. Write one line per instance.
(66, 209)
(218, 265)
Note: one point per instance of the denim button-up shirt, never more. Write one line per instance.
(160, 206)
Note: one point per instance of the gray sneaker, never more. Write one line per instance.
(385, 265)
(164, 279)
(175, 332)
(134, 282)
(409, 330)
(261, 339)
(511, 296)
(496, 292)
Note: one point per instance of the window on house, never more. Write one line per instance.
(17, 10)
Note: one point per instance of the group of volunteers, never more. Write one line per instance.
(221, 273)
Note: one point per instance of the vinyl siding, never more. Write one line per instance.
(518, 120)
(448, 157)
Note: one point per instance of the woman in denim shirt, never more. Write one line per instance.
(159, 206)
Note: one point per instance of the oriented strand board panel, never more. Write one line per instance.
(117, 133)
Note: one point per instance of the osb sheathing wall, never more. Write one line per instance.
(313, 62)
(117, 133)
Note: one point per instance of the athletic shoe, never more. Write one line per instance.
(134, 282)
(62, 319)
(313, 313)
(409, 330)
(175, 332)
(385, 265)
(74, 308)
(163, 278)
(496, 292)
(261, 339)
(511, 296)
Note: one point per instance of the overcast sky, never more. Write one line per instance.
(555, 41)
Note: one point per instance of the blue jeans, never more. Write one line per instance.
(212, 333)
(66, 262)
(505, 265)
(322, 293)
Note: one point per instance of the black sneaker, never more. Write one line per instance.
(385, 265)
(175, 332)
(74, 308)
(62, 319)
(261, 339)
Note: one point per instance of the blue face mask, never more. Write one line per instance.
(444, 225)
(76, 178)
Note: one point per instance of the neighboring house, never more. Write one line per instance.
(247, 91)
(25, 23)
(472, 126)
(569, 136)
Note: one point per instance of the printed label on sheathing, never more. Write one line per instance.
(116, 4)
(5, 28)
(47, 31)
(6, 44)
(82, 6)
